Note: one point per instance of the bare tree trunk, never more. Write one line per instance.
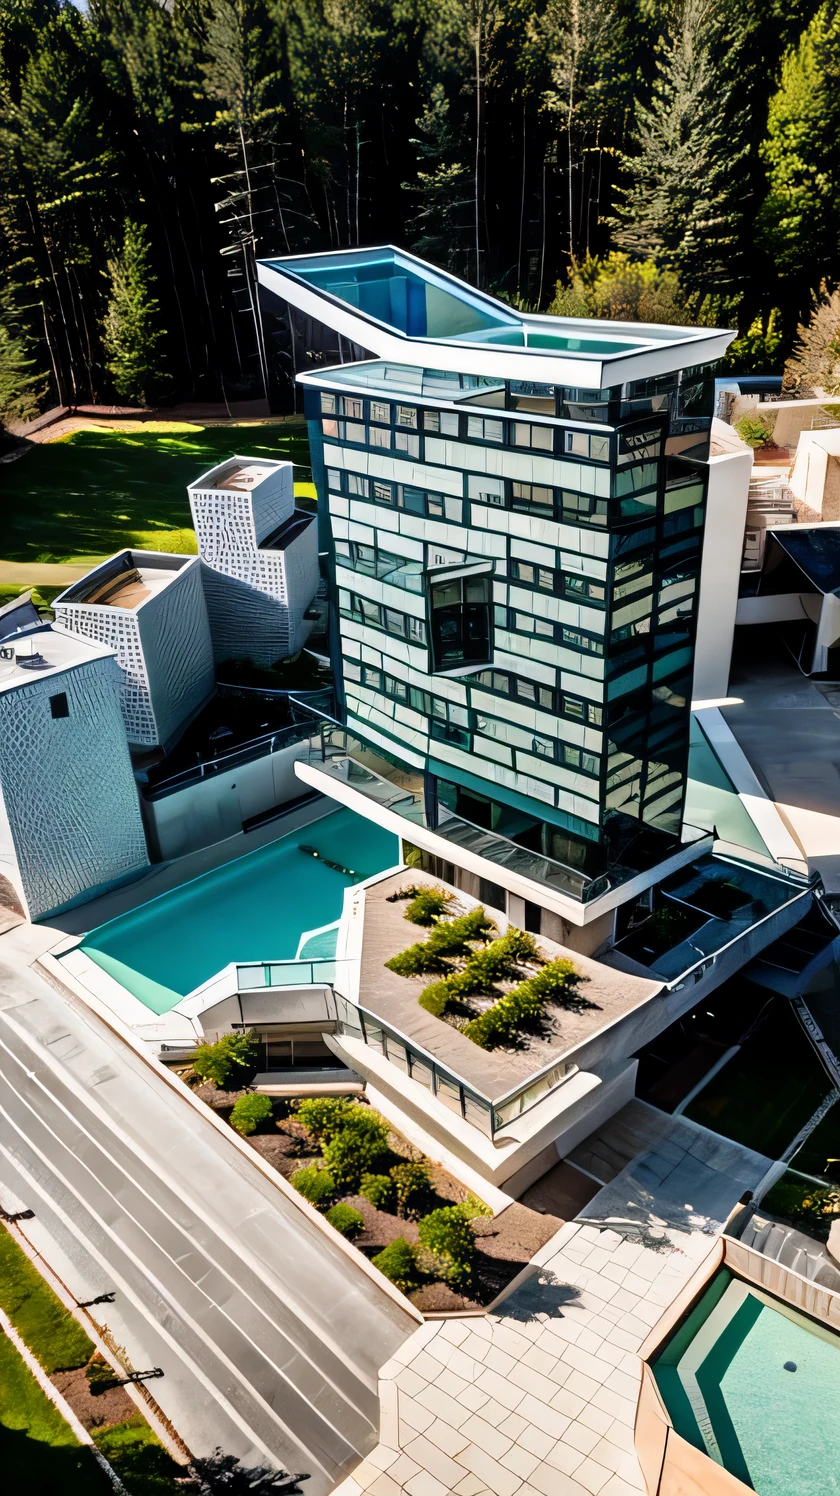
(250, 267)
(521, 207)
(575, 33)
(479, 124)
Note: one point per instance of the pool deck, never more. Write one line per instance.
(539, 1397)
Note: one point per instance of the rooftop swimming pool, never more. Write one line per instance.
(253, 909)
(756, 1385)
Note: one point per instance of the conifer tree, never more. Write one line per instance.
(681, 200)
(440, 229)
(130, 331)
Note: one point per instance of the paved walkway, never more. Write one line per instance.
(539, 1399)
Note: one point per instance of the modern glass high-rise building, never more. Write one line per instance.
(512, 512)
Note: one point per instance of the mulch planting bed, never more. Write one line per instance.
(93, 1410)
(504, 1244)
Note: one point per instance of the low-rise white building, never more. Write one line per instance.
(70, 823)
(149, 608)
(260, 558)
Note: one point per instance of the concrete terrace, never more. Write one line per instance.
(394, 998)
(539, 1397)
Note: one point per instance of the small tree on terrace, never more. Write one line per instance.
(131, 333)
(232, 1055)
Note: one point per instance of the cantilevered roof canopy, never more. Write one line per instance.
(399, 307)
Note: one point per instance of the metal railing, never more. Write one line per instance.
(284, 737)
(405, 1054)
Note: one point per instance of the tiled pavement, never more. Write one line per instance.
(539, 1398)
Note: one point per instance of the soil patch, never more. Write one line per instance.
(111, 1406)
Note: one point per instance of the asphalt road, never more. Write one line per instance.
(269, 1335)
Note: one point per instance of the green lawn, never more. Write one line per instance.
(39, 1453)
(143, 1465)
(40, 1318)
(87, 495)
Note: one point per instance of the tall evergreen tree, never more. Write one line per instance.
(682, 201)
(441, 229)
(131, 332)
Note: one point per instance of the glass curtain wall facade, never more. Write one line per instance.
(515, 572)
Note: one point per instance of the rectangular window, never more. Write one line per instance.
(460, 620)
(358, 485)
(405, 442)
(380, 412)
(543, 747)
(407, 416)
(533, 496)
(396, 688)
(420, 700)
(328, 405)
(412, 499)
(380, 436)
(372, 677)
(495, 680)
(383, 493)
(533, 576)
(526, 623)
(443, 421)
(59, 706)
(484, 429)
(582, 587)
(582, 641)
(334, 479)
(352, 407)
(539, 437)
(330, 429)
(354, 433)
(577, 442)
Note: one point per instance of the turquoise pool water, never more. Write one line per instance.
(253, 909)
(757, 1386)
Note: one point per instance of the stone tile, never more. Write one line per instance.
(498, 1480)
(626, 1339)
(508, 1392)
(447, 1438)
(490, 1439)
(440, 1349)
(609, 1352)
(619, 1461)
(568, 1403)
(552, 1482)
(408, 1381)
(634, 1283)
(598, 1258)
(565, 1457)
(620, 1407)
(524, 1379)
(539, 1360)
(493, 1413)
(617, 1487)
(545, 1418)
(347, 1487)
(455, 1330)
(390, 1370)
(426, 1366)
(513, 1342)
(415, 1342)
(596, 1418)
(616, 1272)
(451, 1384)
(591, 1366)
(424, 1484)
(536, 1440)
(592, 1476)
(438, 1405)
(623, 1299)
(435, 1461)
(389, 1414)
(499, 1361)
(382, 1457)
(414, 1414)
(584, 1387)
(559, 1332)
(588, 1341)
(403, 1470)
(365, 1474)
(470, 1485)
(473, 1398)
(475, 1346)
(581, 1438)
(624, 1385)
(619, 1433)
(514, 1425)
(463, 1365)
(520, 1461)
(385, 1486)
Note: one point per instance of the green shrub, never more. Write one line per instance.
(357, 1148)
(436, 997)
(556, 982)
(448, 940)
(449, 1242)
(428, 905)
(756, 431)
(324, 1116)
(473, 1207)
(398, 1263)
(411, 1181)
(316, 1184)
(218, 1062)
(248, 1112)
(345, 1219)
(378, 1189)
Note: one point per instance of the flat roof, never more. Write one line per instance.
(398, 306)
(126, 580)
(44, 652)
(393, 998)
(238, 474)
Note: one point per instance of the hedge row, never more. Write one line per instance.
(557, 982)
(447, 941)
(499, 960)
